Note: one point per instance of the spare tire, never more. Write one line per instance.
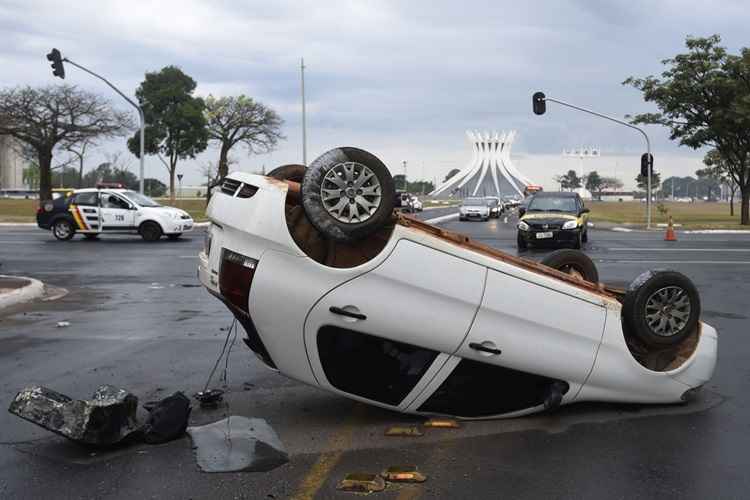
(661, 308)
(573, 262)
(292, 172)
(348, 194)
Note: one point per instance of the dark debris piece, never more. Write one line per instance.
(106, 419)
(167, 419)
(210, 398)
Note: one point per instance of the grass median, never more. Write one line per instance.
(698, 215)
(13, 210)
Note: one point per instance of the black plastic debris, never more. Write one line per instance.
(210, 398)
(167, 419)
(237, 444)
(106, 419)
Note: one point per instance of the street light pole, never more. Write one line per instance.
(136, 106)
(645, 136)
(405, 184)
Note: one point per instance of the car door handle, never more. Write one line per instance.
(479, 347)
(344, 312)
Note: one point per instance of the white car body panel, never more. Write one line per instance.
(427, 291)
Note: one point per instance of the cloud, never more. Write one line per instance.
(402, 78)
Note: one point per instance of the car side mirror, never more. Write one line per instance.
(521, 211)
(585, 211)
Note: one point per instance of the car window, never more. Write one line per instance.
(474, 202)
(371, 367)
(140, 199)
(110, 200)
(552, 204)
(88, 199)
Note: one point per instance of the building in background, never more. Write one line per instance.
(11, 169)
(490, 171)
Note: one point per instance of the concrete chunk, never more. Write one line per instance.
(105, 419)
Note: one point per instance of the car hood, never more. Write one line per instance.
(548, 216)
(167, 210)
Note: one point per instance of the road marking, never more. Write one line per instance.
(444, 218)
(338, 443)
(679, 249)
(187, 256)
(640, 261)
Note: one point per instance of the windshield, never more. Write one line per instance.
(492, 202)
(474, 202)
(552, 204)
(140, 199)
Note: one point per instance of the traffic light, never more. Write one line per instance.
(646, 158)
(57, 63)
(539, 102)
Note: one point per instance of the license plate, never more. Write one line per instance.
(541, 236)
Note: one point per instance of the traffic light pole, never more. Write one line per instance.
(133, 103)
(648, 147)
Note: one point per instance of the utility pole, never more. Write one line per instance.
(304, 117)
(405, 184)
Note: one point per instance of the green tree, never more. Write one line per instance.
(642, 181)
(710, 180)
(594, 183)
(719, 170)
(241, 120)
(568, 180)
(154, 187)
(453, 172)
(703, 97)
(175, 120)
(30, 175)
(610, 183)
(46, 119)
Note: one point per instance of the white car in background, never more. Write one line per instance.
(337, 291)
(96, 211)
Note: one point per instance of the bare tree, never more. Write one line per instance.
(78, 151)
(240, 120)
(45, 118)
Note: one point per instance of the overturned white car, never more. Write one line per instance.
(337, 291)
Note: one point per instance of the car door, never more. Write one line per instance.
(84, 207)
(528, 342)
(532, 327)
(116, 212)
(383, 335)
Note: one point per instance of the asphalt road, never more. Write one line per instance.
(139, 320)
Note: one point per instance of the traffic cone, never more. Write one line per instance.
(670, 236)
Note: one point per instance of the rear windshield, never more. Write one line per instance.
(552, 204)
(475, 202)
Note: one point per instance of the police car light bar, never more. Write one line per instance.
(109, 185)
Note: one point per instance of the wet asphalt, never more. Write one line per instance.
(138, 319)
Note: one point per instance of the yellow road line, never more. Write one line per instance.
(338, 443)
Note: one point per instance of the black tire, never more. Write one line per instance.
(330, 219)
(572, 262)
(91, 237)
(150, 231)
(63, 229)
(578, 243)
(664, 327)
(174, 237)
(520, 242)
(292, 172)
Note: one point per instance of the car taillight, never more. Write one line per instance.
(235, 277)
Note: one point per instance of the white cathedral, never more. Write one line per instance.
(490, 171)
(11, 166)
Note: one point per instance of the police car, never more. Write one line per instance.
(109, 208)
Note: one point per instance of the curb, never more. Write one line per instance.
(34, 290)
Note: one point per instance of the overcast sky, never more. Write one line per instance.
(402, 79)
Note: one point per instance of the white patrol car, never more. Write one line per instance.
(94, 211)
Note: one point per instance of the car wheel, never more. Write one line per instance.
(661, 307)
(291, 172)
(63, 229)
(91, 237)
(174, 237)
(520, 242)
(348, 194)
(585, 237)
(150, 231)
(572, 262)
